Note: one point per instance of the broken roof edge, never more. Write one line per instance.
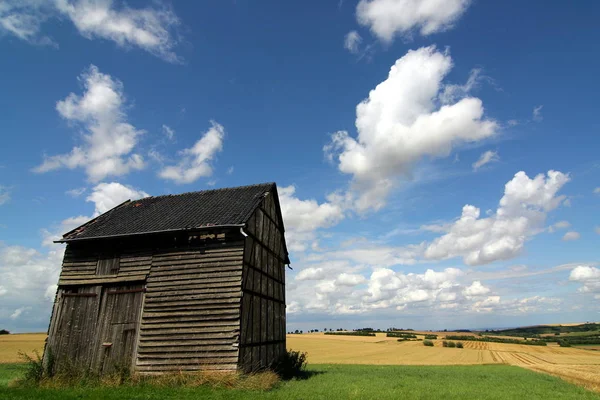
(207, 227)
(90, 221)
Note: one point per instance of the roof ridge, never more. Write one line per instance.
(206, 191)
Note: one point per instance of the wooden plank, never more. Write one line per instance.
(194, 335)
(196, 285)
(192, 303)
(170, 271)
(189, 367)
(199, 275)
(255, 320)
(210, 306)
(206, 249)
(193, 354)
(101, 280)
(226, 311)
(194, 291)
(212, 332)
(169, 296)
(80, 294)
(165, 344)
(235, 276)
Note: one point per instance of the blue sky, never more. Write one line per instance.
(437, 160)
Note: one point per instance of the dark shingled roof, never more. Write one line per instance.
(208, 208)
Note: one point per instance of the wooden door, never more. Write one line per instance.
(118, 327)
(72, 334)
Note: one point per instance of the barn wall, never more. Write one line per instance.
(191, 318)
(155, 308)
(262, 338)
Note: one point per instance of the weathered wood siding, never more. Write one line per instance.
(262, 338)
(85, 265)
(73, 328)
(191, 318)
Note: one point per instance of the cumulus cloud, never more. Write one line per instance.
(108, 138)
(401, 122)
(345, 288)
(304, 217)
(389, 18)
(589, 277)
(476, 289)
(486, 158)
(4, 195)
(28, 285)
(520, 215)
(311, 274)
(152, 29)
(196, 161)
(109, 195)
(570, 236)
(352, 42)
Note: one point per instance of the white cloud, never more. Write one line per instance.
(570, 236)
(559, 225)
(401, 122)
(230, 170)
(109, 195)
(304, 217)
(17, 313)
(4, 195)
(453, 92)
(23, 18)
(389, 18)
(476, 289)
(3, 291)
(521, 214)
(486, 158)
(537, 113)
(352, 42)
(76, 192)
(108, 139)
(588, 276)
(196, 161)
(67, 225)
(345, 279)
(311, 274)
(168, 132)
(151, 29)
(597, 190)
(29, 283)
(340, 288)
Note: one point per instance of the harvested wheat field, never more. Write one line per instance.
(573, 364)
(11, 345)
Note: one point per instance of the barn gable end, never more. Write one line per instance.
(205, 290)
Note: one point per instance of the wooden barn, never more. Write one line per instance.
(186, 282)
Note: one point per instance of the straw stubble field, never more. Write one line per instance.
(576, 365)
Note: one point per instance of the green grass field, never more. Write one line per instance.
(345, 382)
